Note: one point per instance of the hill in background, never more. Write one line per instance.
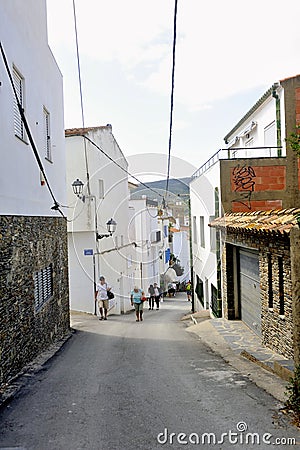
(176, 186)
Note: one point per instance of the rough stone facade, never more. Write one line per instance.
(277, 329)
(27, 246)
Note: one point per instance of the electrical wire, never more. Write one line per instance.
(56, 206)
(172, 98)
(81, 97)
(112, 160)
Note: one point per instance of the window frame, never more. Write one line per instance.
(47, 135)
(19, 84)
(43, 287)
(202, 232)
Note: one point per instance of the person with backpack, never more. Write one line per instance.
(101, 295)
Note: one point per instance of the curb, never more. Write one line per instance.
(269, 380)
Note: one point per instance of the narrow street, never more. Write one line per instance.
(125, 385)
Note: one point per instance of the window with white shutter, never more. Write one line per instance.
(47, 137)
(43, 286)
(19, 86)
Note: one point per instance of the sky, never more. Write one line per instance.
(228, 53)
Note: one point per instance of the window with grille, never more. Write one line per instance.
(47, 138)
(43, 286)
(19, 86)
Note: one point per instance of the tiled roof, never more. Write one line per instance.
(275, 221)
(82, 131)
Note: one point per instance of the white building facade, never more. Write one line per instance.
(33, 232)
(95, 158)
(204, 194)
(181, 250)
(235, 179)
(146, 229)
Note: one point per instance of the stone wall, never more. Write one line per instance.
(29, 245)
(295, 260)
(277, 329)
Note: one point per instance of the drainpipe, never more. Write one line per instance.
(218, 256)
(191, 256)
(278, 119)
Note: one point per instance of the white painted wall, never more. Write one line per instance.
(144, 221)
(202, 188)
(264, 117)
(23, 35)
(181, 249)
(114, 255)
(203, 204)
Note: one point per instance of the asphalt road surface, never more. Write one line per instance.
(123, 385)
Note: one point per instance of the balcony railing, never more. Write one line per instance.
(238, 152)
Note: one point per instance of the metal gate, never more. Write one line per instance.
(250, 302)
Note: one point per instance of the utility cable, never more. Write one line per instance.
(111, 159)
(172, 98)
(81, 98)
(33, 146)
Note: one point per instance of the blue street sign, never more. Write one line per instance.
(88, 252)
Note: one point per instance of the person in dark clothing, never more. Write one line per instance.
(157, 293)
(151, 296)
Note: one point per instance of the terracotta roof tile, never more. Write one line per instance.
(273, 221)
(82, 131)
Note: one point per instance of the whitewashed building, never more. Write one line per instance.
(204, 194)
(33, 251)
(145, 226)
(95, 159)
(248, 175)
(181, 250)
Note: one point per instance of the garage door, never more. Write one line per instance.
(250, 289)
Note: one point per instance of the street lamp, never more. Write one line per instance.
(77, 186)
(111, 228)
(111, 225)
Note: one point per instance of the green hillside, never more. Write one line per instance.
(176, 186)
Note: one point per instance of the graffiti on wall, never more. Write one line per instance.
(244, 183)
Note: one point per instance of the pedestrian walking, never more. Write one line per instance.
(137, 298)
(188, 289)
(157, 294)
(151, 292)
(101, 295)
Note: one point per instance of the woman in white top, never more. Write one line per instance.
(101, 295)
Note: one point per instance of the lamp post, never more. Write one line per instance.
(111, 228)
(191, 249)
(111, 225)
(77, 186)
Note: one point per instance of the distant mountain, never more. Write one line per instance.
(176, 186)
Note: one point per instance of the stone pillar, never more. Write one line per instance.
(295, 269)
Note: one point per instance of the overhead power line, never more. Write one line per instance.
(172, 97)
(81, 97)
(26, 126)
(112, 160)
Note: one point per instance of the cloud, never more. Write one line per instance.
(227, 47)
(222, 47)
